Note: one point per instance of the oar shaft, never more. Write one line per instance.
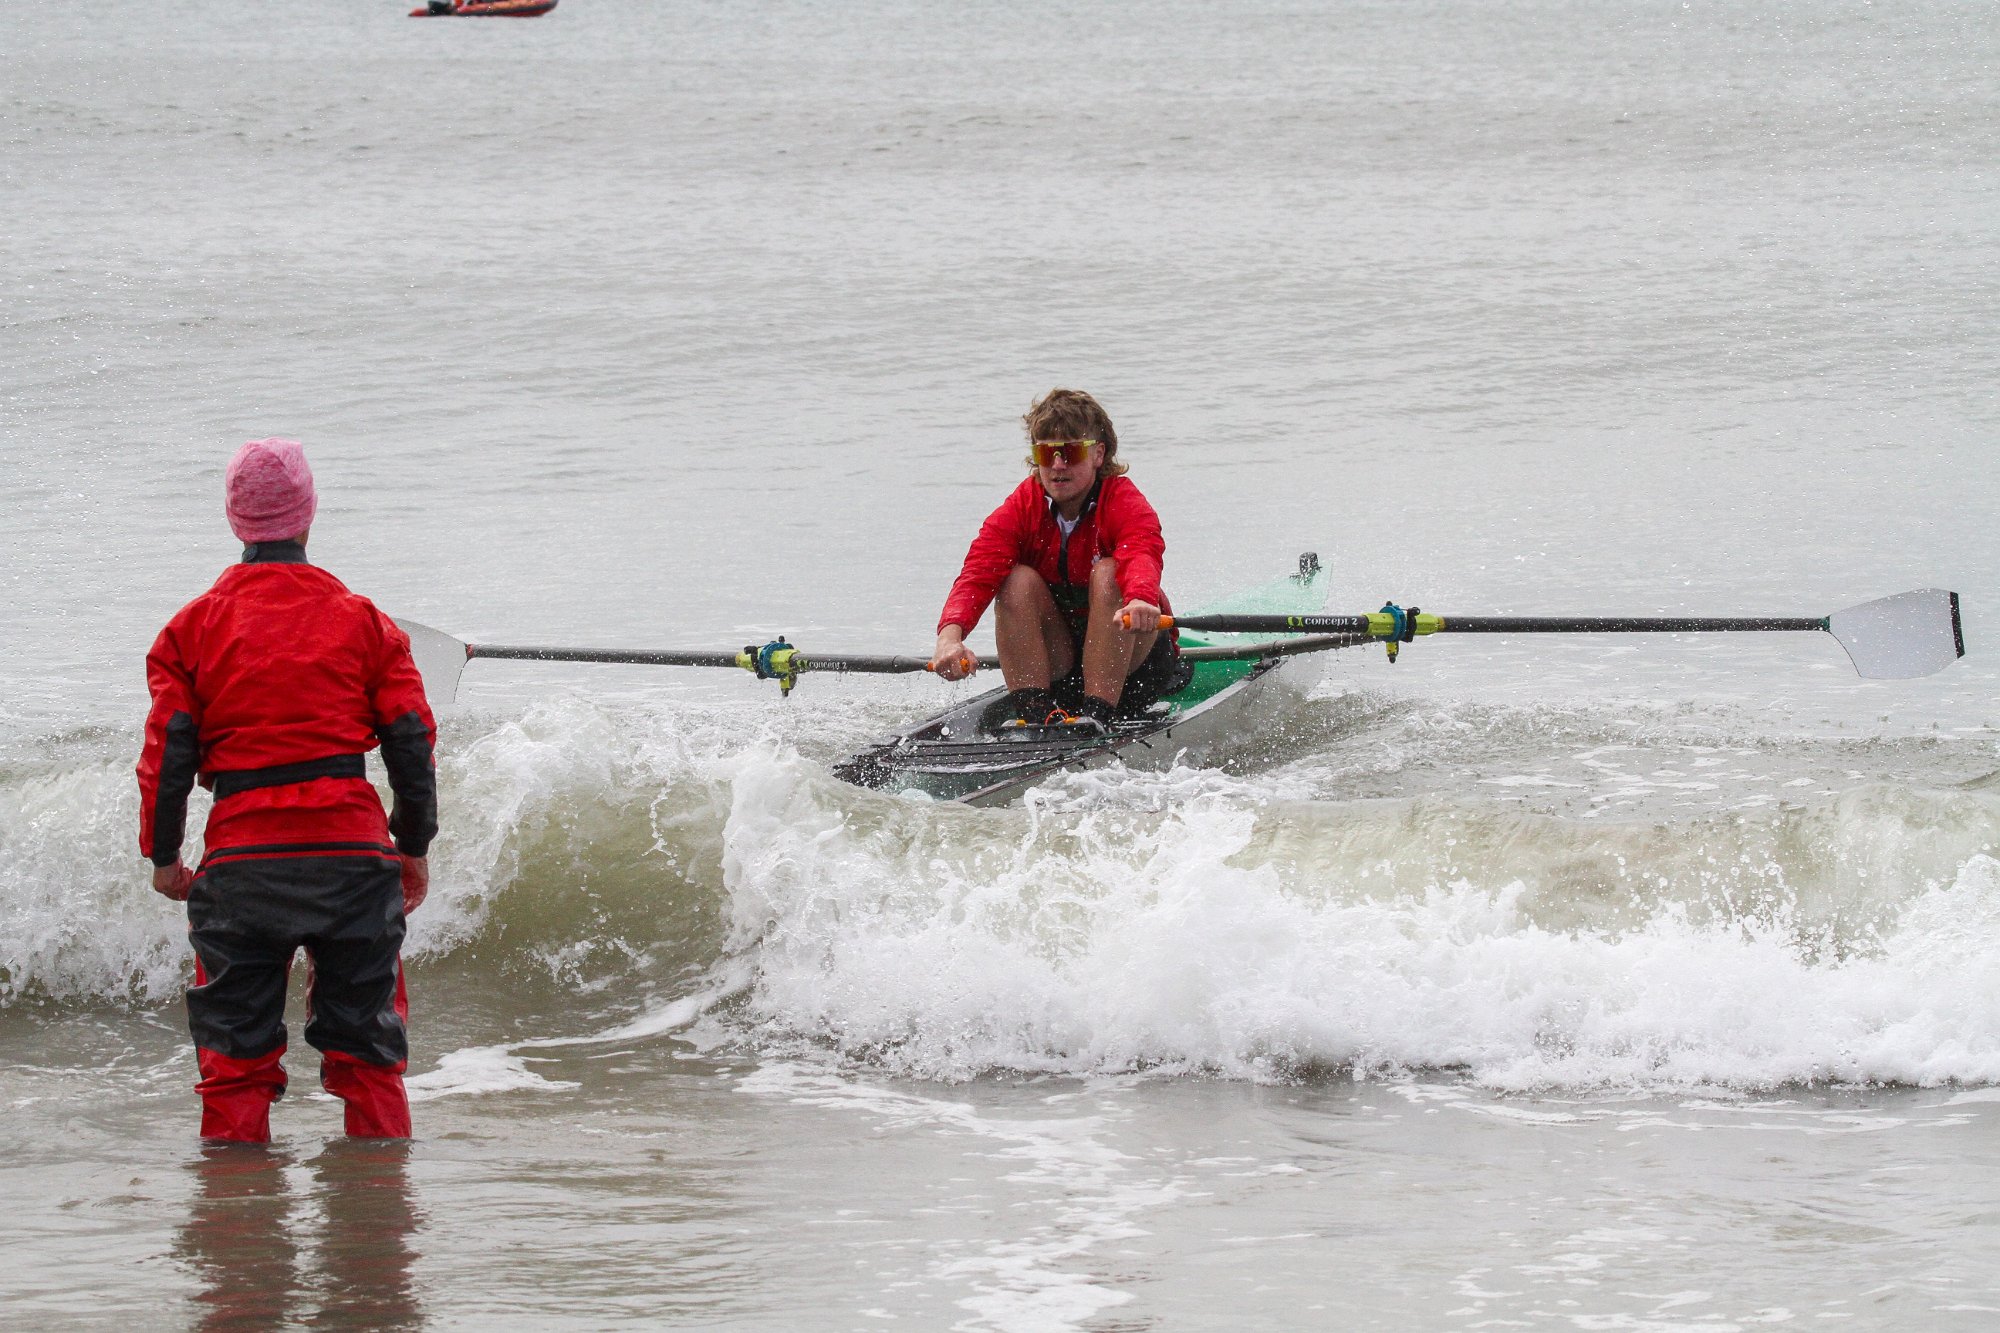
(1623, 624)
(1269, 624)
(800, 661)
(1429, 624)
(629, 656)
(879, 666)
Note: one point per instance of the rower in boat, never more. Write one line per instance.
(1071, 563)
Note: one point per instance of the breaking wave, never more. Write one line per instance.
(611, 860)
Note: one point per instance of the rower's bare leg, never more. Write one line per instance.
(1034, 642)
(1110, 651)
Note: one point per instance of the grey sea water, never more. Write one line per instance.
(1574, 983)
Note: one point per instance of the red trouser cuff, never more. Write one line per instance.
(236, 1095)
(377, 1106)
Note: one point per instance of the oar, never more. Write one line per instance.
(1891, 638)
(441, 659)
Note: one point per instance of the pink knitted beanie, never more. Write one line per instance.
(269, 491)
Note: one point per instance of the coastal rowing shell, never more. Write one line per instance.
(488, 9)
(952, 757)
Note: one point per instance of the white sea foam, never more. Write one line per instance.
(508, 780)
(77, 918)
(1103, 940)
(480, 1069)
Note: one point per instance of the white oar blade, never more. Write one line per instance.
(1897, 638)
(440, 661)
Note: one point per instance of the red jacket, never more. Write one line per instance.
(271, 686)
(1116, 522)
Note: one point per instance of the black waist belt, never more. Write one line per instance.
(279, 775)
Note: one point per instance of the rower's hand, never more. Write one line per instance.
(173, 882)
(953, 660)
(416, 882)
(1140, 617)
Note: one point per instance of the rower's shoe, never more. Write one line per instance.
(1078, 724)
(1091, 718)
(1025, 708)
(1095, 713)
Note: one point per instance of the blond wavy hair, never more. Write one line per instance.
(1071, 414)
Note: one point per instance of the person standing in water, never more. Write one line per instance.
(1072, 558)
(270, 688)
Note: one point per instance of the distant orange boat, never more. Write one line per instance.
(489, 9)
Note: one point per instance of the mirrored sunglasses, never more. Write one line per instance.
(1073, 452)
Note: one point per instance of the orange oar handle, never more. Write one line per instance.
(1125, 620)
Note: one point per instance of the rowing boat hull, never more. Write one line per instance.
(489, 9)
(950, 758)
